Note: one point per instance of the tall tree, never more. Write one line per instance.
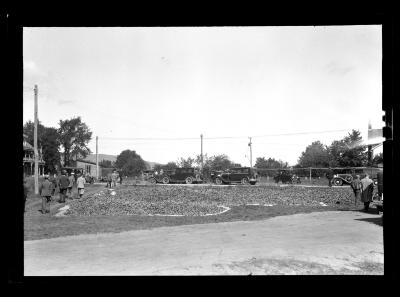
(220, 162)
(182, 162)
(74, 138)
(130, 163)
(315, 155)
(29, 129)
(349, 151)
(50, 146)
(269, 163)
(48, 140)
(106, 163)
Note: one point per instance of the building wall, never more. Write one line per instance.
(88, 167)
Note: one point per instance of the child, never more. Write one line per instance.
(81, 185)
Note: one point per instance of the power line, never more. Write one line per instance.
(220, 137)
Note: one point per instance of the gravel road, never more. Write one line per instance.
(337, 242)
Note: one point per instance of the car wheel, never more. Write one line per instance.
(152, 180)
(165, 180)
(218, 181)
(245, 181)
(338, 182)
(189, 180)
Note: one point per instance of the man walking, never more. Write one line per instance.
(80, 182)
(71, 179)
(63, 184)
(53, 180)
(356, 185)
(45, 190)
(367, 190)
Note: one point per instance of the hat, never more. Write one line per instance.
(72, 173)
(46, 176)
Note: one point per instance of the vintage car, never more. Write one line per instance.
(287, 177)
(214, 174)
(177, 175)
(347, 178)
(242, 175)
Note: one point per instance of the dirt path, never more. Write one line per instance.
(318, 243)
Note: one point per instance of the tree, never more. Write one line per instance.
(182, 162)
(50, 149)
(220, 162)
(348, 152)
(130, 163)
(48, 140)
(315, 155)
(170, 166)
(269, 163)
(29, 130)
(106, 164)
(74, 138)
(378, 159)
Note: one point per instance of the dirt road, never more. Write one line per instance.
(337, 242)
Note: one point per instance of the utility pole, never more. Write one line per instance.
(201, 137)
(97, 158)
(251, 162)
(35, 144)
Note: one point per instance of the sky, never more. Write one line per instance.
(155, 90)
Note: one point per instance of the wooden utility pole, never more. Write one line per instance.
(97, 158)
(369, 162)
(201, 156)
(35, 144)
(251, 161)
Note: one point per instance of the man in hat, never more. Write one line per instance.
(45, 190)
(367, 190)
(71, 179)
(63, 184)
(114, 177)
(329, 176)
(80, 182)
(356, 185)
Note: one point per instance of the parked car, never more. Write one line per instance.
(242, 175)
(287, 178)
(177, 175)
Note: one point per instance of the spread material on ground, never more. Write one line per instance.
(204, 200)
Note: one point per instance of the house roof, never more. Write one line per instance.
(86, 161)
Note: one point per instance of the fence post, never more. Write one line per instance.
(310, 176)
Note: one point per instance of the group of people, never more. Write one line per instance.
(113, 178)
(65, 184)
(363, 190)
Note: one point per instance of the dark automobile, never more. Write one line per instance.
(177, 175)
(287, 178)
(214, 174)
(242, 175)
(347, 178)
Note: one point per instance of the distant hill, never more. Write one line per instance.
(112, 158)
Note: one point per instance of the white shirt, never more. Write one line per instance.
(80, 182)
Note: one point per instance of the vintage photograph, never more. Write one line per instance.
(220, 150)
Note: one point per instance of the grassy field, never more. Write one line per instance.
(39, 226)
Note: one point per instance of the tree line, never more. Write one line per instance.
(71, 138)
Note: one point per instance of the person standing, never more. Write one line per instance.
(367, 190)
(53, 180)
(63, 184)
(45, 190)
(114, 177)
(356, 185)
(329, 176)
(80, 182)
(71, 179)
